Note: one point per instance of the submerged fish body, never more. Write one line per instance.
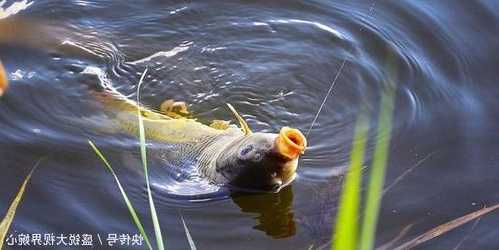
(232, 156)
(188, 140)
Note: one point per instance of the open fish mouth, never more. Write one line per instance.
(291, 143)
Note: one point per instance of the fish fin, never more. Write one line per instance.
(244, 126)
(220, 124)
(174, 109)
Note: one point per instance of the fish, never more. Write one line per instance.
(233, 156)
(226, 155)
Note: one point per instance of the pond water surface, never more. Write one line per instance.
(274, 61)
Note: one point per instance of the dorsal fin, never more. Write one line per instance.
(244, 126)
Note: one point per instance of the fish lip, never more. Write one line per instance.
(290, 143)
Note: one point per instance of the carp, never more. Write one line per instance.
(225, 155)
(231, 156)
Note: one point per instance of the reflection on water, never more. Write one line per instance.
(273, 211)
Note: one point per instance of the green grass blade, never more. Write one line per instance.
(11, 212)
(188, 234)
(346, 229)
(143, 154)
(131, 209)
(377, 175)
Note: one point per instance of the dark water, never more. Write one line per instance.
(274, 60)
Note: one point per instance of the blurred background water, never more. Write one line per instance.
(274, 61)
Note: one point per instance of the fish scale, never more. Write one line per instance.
(186, 140)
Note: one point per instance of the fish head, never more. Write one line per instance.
(262, 161)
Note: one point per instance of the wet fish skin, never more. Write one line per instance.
(246, 161)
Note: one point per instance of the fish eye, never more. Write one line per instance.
(246, 150)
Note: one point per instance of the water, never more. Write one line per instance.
(274, 61)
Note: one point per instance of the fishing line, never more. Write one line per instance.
(325, 98)
(371, 10)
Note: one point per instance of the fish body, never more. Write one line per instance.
(232, 156)
(188, 140)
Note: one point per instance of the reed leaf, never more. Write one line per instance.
(143, 154)
(131, 209)
(446, 227)
(11, 212)
(346, 229)
(378, 168)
